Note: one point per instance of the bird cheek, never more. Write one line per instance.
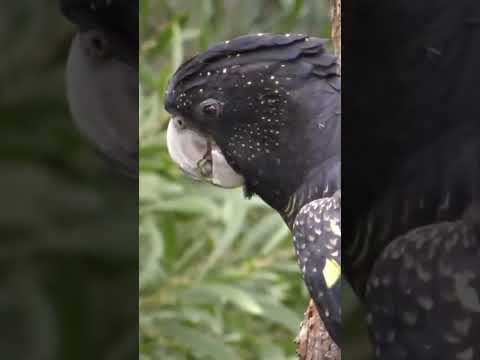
(222, 173)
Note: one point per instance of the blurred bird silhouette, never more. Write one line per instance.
(102, 77)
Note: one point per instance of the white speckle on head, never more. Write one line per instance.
(209, 73)
(224, 70)
(287, 35)
(201, 90)
(249, 83)
(227, 41)
(272, 77)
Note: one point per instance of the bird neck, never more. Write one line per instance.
(289, 196)
(321, 182)
(310, 169)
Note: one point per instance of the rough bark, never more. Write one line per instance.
(313, 341)
(335, 14)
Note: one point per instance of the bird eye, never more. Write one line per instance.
(179, 122)
(97, 44)
(211, 108)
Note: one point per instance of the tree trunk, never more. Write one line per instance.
(335, 14)
(313, 341)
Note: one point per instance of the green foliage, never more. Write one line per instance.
(218, 276)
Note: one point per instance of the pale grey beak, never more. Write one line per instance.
(103, 98)
(199, 157)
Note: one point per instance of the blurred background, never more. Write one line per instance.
(218, 276)
(68, 223)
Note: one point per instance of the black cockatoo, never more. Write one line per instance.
(102, 77)
(411, 165)
(262, 111)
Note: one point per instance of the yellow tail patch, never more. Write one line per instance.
(331, 272)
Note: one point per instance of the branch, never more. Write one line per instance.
(335, 15)
(313, 341)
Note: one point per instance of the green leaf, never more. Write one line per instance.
(194, 205)
(200, 343)
(230, 294)
(269, 351)
(280, 314)
(275, 239)
(261, 232)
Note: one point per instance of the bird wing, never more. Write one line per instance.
(317, 239)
